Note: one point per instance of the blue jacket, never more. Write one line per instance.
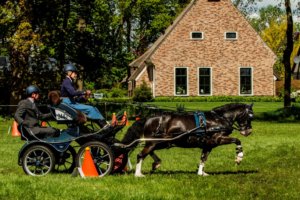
(68, 89)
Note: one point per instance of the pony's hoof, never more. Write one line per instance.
(155, 166)
(203, 174)
(139, 175)
(238, 160)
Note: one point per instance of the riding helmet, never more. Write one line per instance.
(32, 89)
(70, 67)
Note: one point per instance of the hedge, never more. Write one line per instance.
(221, 99)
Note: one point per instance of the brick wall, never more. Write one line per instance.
(222, 56)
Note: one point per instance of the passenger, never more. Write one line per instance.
(28, 114)
(71, 97)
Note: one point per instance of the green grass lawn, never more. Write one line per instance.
(270, 170)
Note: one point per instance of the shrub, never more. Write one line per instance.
(221, 99)
(142, 93)
(118, 92)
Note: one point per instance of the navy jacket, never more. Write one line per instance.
(68, 89)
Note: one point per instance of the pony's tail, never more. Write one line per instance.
(133, 133)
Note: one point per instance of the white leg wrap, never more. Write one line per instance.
(201, 171)
(239, 158)
(241, 155)
(138, 169)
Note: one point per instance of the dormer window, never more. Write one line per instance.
(231, 35)
(196, 35)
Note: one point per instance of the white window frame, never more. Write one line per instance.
(236, 38)
(191, 35)
(187, 82)
(198, 79)
(239, 84)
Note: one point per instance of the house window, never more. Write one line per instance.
(245, 81)
(231, 35)
(197, 35)
(204, 81)
(181, 81)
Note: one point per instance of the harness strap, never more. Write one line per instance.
(200, 119)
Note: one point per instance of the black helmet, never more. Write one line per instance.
(32, 89)
(70, 67)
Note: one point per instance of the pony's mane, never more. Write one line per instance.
(167, 112)
(226, 107)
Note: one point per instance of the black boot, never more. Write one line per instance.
(102, 123)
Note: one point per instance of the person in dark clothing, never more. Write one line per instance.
(71, 96)
(28, 114)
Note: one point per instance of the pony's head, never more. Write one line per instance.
(241, 114)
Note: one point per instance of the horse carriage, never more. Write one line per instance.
(205, 130)
(39, 156)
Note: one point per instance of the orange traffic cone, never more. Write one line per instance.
(114, 120)
(88, 165)
(14, 131)
(44, 124)
(124, 119)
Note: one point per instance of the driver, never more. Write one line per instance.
(71, 96)
(28, 114)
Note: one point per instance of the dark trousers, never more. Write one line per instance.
(43, 132)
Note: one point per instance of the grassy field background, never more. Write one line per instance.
(270, 170)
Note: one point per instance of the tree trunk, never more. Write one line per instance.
(287, 55)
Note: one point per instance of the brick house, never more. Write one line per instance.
(209, 50)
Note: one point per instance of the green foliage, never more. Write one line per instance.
(220, 99)
(102, 37)
(267, 15)
(118, 92)
(121, 100)
(283, 114)
(180, 108)
(89, 85)
(142, 93)
(271, 25)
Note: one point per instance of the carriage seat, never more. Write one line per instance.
(63, 113)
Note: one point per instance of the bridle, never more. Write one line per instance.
(243, 123)
(246, 116)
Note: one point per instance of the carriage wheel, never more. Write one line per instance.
(38, 160)
(65, 162)
(101, 154)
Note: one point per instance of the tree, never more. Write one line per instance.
(287, 54)
(288, 47)
(267, 16)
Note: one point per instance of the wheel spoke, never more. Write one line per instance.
(68, 162)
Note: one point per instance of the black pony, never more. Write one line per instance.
(207, 131)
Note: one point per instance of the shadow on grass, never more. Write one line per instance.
(290, 114)
(195, 172)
